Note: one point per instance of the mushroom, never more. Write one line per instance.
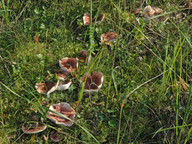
(49, 87)
(100, 18)
(62, 108)
(68, 64)
(93, 82)
(61, 74)
(83, 57)
(46, 88)
(63, 85)
(109, 37)
(149, 12)
(86, 19)
(55, 136)
(33, 128)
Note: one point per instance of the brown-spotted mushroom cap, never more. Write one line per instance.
(62, 108)
(109, 37)
(46, 88)
(33, 128)
(68, 64)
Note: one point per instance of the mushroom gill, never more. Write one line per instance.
(62, 108)
(61, 74)
(84, 57)
(46, 88)
(33, 128)
(68, 64)
(93, 82)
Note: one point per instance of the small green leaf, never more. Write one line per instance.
(111, 111)
(112, 123)
(36, 11)
(42, 26)
(101, 116)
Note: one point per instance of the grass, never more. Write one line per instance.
(146, 94)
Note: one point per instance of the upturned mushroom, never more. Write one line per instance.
(92, 82)
(61, 74)
(62, 108)
(55, 136)
(99, 19)
(33, 128)
(49, 87)
(83, 56)
(86, 19)
(109, 37)
(149, 12)
(68, 64)
(46, 88)
(63, 85)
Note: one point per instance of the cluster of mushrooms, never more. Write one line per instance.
(93, 82)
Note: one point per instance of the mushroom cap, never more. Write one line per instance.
(93, 82)
(149, 12)
(64, 85)
(100, 19)
(68, 64)
(97, 78)
(34, 128)
(86, 19)
(55, 136)
(61, 74)
(46, 88)
(109, 37)
(65, 109)
(83, 78)
(83, 57)
(49, 87)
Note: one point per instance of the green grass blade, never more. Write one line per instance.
(188, 136)
(187, 112)
(171, 128)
